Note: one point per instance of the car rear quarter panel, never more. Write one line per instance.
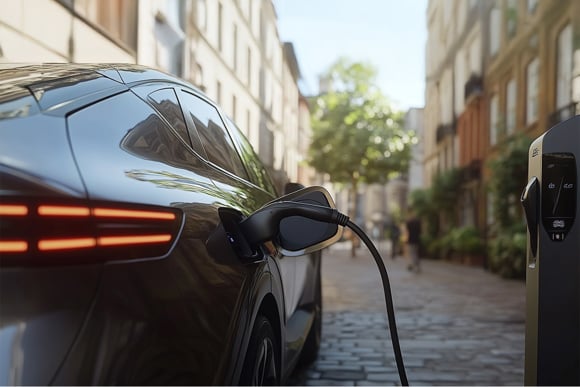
(162, 320)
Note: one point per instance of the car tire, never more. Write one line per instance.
(312, 344)
(261, 366)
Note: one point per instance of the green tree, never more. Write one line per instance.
(357, 136)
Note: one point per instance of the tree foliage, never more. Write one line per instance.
(446, 188)
(509, 177)
(357, 136)
(507, 248)
(437, 207)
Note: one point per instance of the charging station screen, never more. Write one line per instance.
(558, 194)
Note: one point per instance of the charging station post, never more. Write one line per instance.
(552, 346)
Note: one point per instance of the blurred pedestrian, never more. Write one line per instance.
(413, 226)
(395, 235)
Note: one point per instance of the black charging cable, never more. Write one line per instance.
(264, 223)
(388, 300)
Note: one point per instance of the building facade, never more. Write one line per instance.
(495, 69)
(532, 70)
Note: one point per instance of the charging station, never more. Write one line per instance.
(552, 343)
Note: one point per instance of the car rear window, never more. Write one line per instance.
(256, 169)
(166, 103)
(219, 147)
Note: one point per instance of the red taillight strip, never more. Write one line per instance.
(79, 243)
(48, 210)
(66, 244)
(13, 246)
(63, 211)
(89, 228)
(13, 210)
(114, 213)
(133, 239)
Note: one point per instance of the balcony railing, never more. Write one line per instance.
(473, 87)
(564, 113)
(445, 130)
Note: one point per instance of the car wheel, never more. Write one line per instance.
(261, 364)
(312, 343)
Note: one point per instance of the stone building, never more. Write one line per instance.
(532, 70)
(493, 69)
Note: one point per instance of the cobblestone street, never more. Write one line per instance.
(457, 325)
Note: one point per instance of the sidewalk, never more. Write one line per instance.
(457, 325)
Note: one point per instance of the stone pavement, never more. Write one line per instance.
(457, 325)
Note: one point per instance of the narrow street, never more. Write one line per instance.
(457, 325)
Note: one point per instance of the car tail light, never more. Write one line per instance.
(50, 233)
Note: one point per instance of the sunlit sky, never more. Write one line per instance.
(390, 34)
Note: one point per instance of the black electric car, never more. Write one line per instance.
(111, 181)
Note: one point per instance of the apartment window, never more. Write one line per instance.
(117, 17)
(532, 5)
(249, 75)
(219, 92)
(461, 75)
(493, 120)
(564, 70)
(494, 30)
(220, 26)
(234, 107)
(266, 89)
(511, 18)
(532, 91)
(266, 145)
(198, 76)
(511, 107)
(235, 43)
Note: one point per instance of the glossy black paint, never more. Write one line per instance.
(93, 134)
